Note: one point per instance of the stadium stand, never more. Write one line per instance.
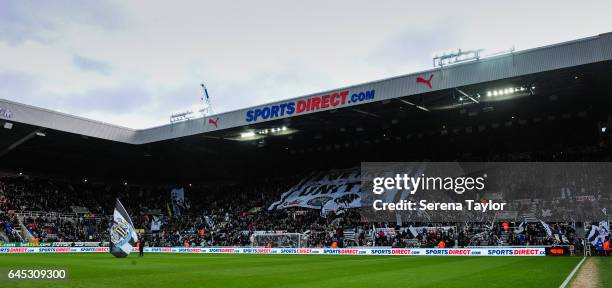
(229, 214)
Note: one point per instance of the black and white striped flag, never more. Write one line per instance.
(123, 234)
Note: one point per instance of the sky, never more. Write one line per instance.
(133, 63)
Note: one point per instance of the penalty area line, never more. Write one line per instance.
(571, 275)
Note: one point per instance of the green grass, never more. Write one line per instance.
(605, 277)
(209, 270)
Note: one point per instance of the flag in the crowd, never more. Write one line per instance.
(155, 223)
(373, 234)
(413, 232)
(599, 232)
(123, 234)
(168, 209)
(349, 234)
(177, 195)
(209, 221)
(547, 228)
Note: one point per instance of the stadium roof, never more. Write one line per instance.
(558, 56)
(404, 108)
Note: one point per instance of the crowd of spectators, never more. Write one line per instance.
(227, 214)
(67, 229)
(8, 222)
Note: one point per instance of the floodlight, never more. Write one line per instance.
(247, 134)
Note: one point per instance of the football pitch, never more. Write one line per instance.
(209, 270)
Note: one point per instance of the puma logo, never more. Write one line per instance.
(213, 122)
(426, 82)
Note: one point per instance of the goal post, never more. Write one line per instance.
(279, 240)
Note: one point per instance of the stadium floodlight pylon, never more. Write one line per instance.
(279, 240)
(205, 111)
(456, 56)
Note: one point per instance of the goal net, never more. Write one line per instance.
(279, 240)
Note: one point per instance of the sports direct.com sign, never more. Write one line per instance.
(311, 104)
(539, 251)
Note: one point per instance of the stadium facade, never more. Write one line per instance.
(546, 104)
(395, 109)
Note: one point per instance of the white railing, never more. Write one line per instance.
(36, 214)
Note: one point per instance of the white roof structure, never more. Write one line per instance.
(519, 63)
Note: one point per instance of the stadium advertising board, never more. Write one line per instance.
(53, 244)
(15, 244)
(5, 113)
(558, 251)
(384, 251)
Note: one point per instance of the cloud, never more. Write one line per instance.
(88, 64)
(16, 26)
(45, 21)
(18, 86)
(405, 52)
(122, 99)
(117, 100)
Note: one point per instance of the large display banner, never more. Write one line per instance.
(598, 233)
(329, 190)
(177, 196)
(502, 251)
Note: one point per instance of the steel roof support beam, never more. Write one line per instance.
(467, 95)
(21, 141)
(412, 104)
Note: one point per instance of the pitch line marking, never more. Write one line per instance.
(569, 277)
